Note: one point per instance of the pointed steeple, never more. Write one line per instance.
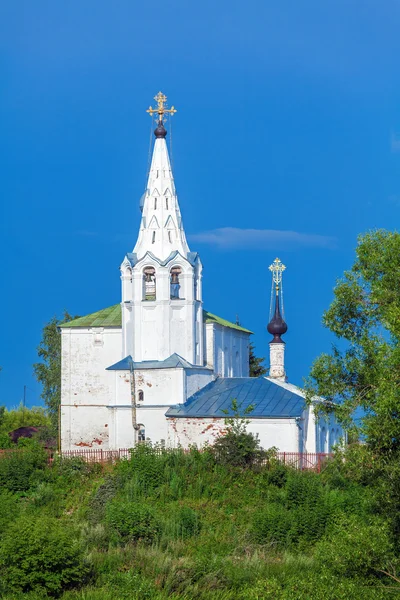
(277, 326)
(161, 229)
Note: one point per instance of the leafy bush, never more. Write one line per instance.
(182, 522)
(237, 447)
(5, 441)
(105, 492)
(273, 525)
(147, 465)
(132, 521)
(18, 467)
(41, 555)
(302, 516)
(355, 548)
(9, 509)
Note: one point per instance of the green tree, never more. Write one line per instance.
(23, 417)
(48, 371)
(256, 366)
(236, 446)
(363, 369)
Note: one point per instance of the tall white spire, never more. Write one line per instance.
(161, 229)
(162, 306)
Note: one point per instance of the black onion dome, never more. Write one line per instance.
(160, 131)
(277, 325)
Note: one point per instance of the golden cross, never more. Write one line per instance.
(161, 109)
(277, 269)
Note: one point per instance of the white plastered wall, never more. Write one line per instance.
(86, 387)
(281, 433)
(161, 388)
(227, 350)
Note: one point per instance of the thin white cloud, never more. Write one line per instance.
(229, 238)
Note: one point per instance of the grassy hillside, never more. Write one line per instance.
(182, 526)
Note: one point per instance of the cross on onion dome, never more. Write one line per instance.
(277, 269)
(161, 109)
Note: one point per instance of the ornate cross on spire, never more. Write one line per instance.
(277, 269)
(161, 109)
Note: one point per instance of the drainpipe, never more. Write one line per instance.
(133, 403)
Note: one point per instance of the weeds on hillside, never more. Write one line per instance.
(184, 525)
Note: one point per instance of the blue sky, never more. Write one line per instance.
(287, 142)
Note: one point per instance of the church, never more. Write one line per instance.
(157, 366)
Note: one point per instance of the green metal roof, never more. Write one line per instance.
(111, 317)
(210, 318)
(108, 317)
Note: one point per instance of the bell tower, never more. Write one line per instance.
(162, 308)
(277, 325)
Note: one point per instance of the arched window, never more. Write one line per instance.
(155, 203)
(170, 236)
(141, 395)
(166, 203)
(149, 283)
(141, 433)
(174, 282)
(153, 237)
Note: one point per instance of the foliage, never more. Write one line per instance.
(301, 519)
(132, 521)
(172, 524)
(48, 371)
(22, 417)
(19, 467)
(106, 492)
(41, 555)
(355, 548)
(256, 366)
(236, 446)
(362, 370)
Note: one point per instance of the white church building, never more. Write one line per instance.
(157, 366)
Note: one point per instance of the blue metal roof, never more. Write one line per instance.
(171, 362)
(270, 399)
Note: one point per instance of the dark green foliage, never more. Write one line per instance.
(40, 555)
(302, 517)
(132, 521)
(363, 371)
(237, 447)
(105, 493)
(355, 547)
(183, 522)
(256, 367)
(177, 525)
(9, 510)
(48, 371)
(5, 441)
(18, 468)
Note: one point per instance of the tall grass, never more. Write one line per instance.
(181, 526)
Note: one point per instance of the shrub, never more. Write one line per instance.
(355, 548)
(237, 447)
(105, 492)
(9, 509)
(146, 465)
(41, 555)
(132, 521)
(182, 522)
(18, 467)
